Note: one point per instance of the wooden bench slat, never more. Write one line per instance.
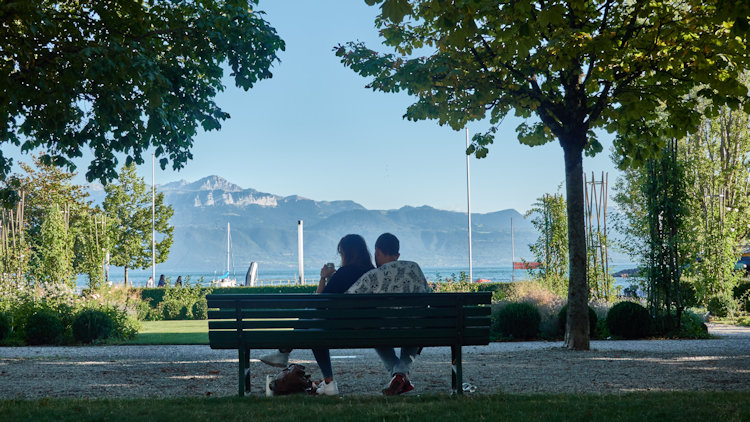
(227, 313)
(335, 336)
(345, 339)
(352, 313)
(462, 298)
(333, 301)
(295, 323)
(361, 343)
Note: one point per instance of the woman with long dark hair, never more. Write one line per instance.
(355, 261)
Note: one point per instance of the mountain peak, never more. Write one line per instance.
(209, 183)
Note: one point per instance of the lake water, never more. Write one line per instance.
(288, 276)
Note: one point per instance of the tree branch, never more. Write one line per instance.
(479, 59)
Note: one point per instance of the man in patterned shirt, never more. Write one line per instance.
(393, 276)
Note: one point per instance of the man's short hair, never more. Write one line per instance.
(388, 244)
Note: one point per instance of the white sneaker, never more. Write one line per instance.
(278, 359)
(327, 389)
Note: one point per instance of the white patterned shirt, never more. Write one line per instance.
(392, 277)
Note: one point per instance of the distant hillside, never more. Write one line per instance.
(264, 229)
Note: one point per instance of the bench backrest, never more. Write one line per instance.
(347, 320)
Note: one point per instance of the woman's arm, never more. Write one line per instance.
(325, 274)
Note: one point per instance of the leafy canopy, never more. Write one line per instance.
(579, 65)
(122, 76)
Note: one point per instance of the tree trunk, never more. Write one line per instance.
(577, 325)
(126, 276)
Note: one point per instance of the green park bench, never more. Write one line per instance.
(347, 321)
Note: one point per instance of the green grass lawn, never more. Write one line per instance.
(656, 406)
(171, 332)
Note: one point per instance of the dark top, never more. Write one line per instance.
(343, 278)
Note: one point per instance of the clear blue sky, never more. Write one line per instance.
(314, 130)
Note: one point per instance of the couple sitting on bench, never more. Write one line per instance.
(358, 275)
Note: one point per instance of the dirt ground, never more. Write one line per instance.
(524, 367)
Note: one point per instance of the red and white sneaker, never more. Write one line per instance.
(400, 384)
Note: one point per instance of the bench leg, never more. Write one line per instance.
(247, 370)
(456, 369)
(244, 371)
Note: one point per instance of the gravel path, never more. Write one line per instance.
(523, 367)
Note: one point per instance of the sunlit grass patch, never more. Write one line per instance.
(171, 332)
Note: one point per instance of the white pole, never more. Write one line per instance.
(468, 203)
(512, 253)
(300, 252)
(228, 250)
(153, 218)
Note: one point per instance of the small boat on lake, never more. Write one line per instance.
(225, 280)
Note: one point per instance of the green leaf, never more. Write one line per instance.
(395, 10)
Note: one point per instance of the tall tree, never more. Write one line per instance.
(55, 250)
(574, 65)
(551, 248)
(128, 208)
(121, 76)
(666, 201)
(91, 241)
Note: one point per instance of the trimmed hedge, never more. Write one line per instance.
(92, 324)
(44, 327)
(629, 320)
(519, 320)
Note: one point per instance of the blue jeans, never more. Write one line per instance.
(395, 365)
(323, 357)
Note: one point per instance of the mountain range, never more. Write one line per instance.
(264, 229)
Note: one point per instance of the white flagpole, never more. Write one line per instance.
(228, 246)
(300, 255)
(153, 218)
(468, 203)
